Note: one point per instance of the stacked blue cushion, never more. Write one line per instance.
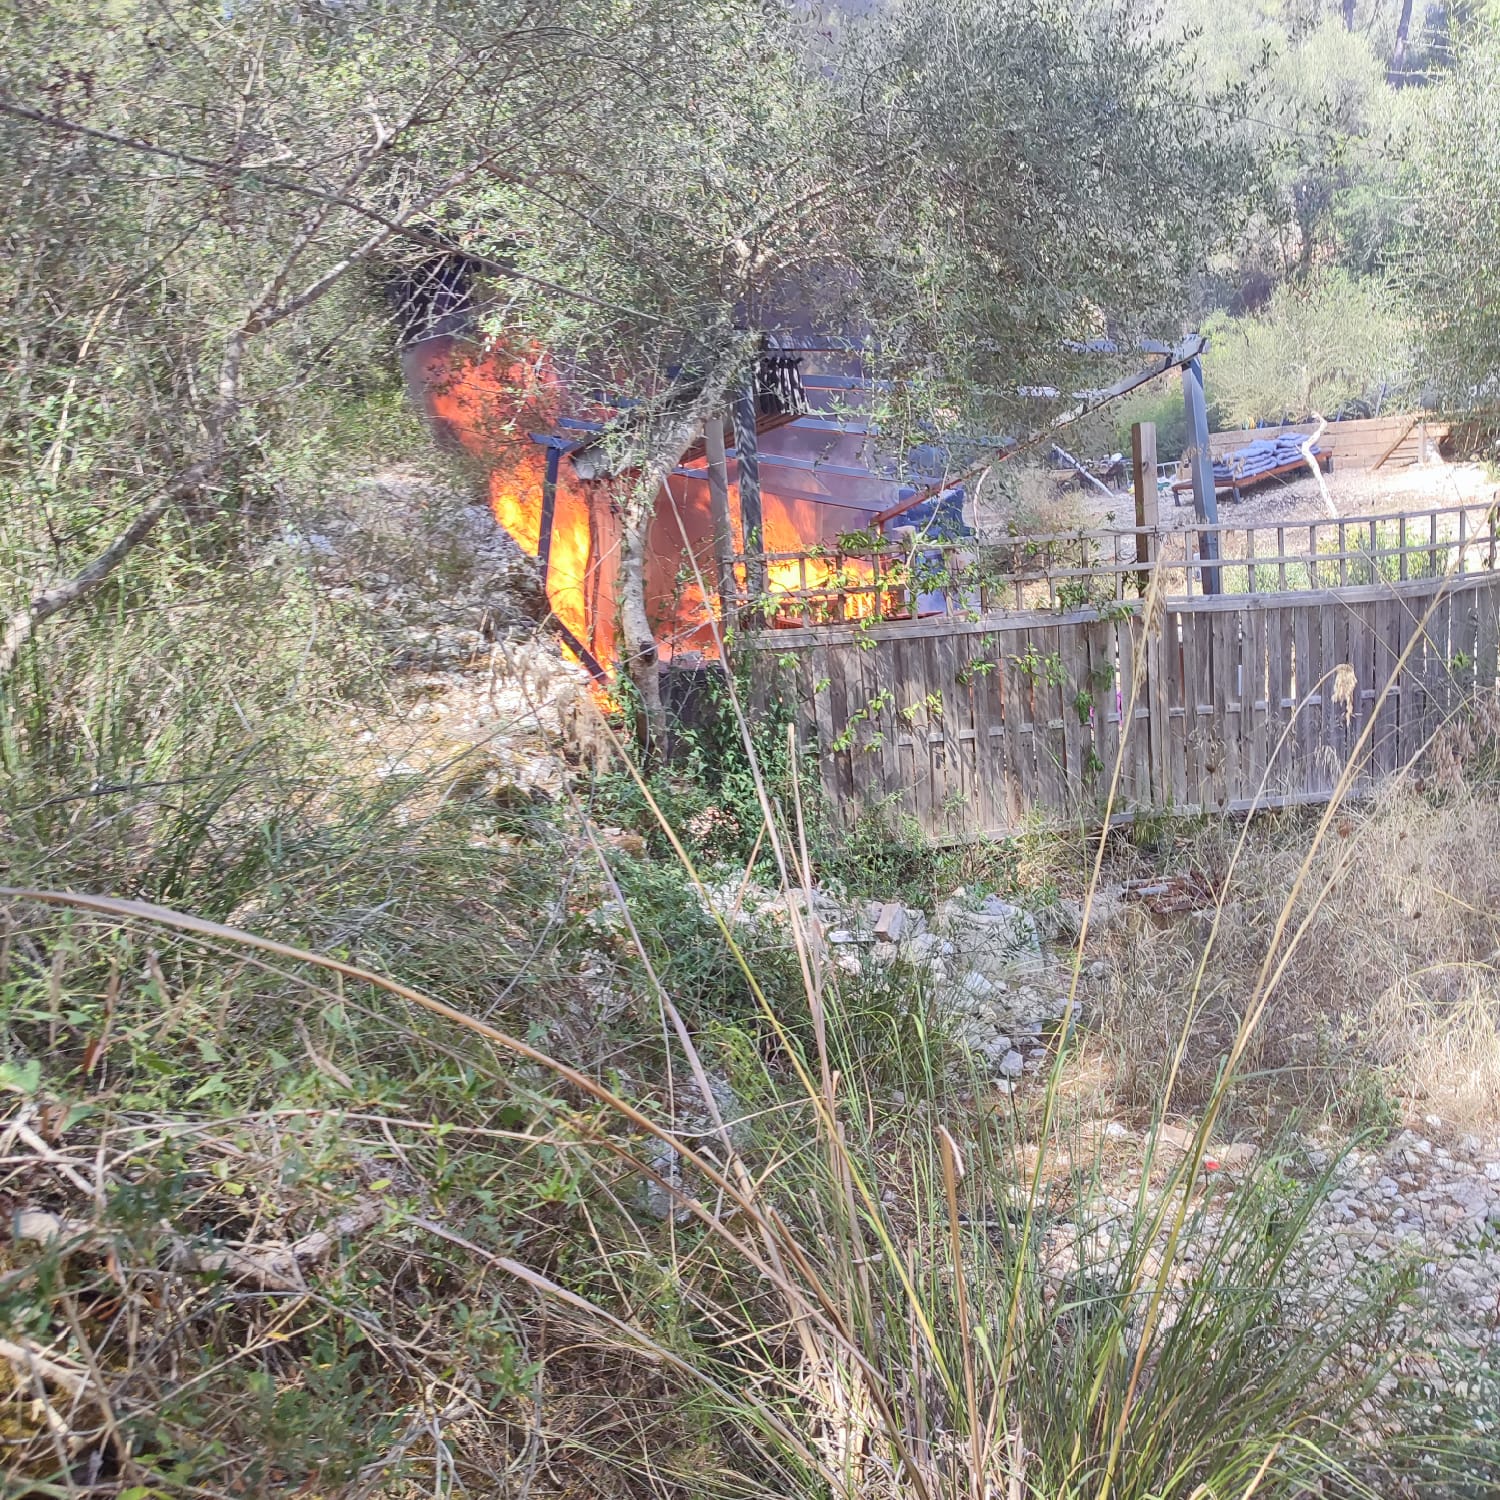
(1260, 457)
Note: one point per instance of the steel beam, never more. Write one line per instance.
(1205, 504)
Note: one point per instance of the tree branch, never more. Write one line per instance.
(22, 625)
(418, 234)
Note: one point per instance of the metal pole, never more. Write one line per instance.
(549, 506)
(1205, 505)
(748, 455)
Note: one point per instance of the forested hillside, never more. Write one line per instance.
(434, 1062)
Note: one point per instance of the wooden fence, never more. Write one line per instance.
(980, 722)
(1394, 442)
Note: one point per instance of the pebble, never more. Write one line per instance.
(1439, 1211)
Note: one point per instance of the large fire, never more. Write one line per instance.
(492, 403)
(794, 526)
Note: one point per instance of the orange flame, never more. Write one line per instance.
(489, 402)
(794, 526)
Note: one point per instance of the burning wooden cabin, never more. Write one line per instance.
(802, 464)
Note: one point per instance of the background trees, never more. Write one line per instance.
(1450, 270)
(206, 208)
(1332, 344)
(209, 208)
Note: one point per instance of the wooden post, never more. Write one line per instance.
(1205, 505)
(723, 522)
(747, 453)
(549, 510)
(1143, 472)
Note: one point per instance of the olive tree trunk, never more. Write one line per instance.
(637, 638)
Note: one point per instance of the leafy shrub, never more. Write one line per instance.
(1333, 345)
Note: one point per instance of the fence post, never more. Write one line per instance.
(1143, 472)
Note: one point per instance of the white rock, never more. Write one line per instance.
(975, 986)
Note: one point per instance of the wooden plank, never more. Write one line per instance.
(1176, 791)
(1020, 722)
(1104, 679)
(1229, 707)
(959, 798)
(1464, 643)
(1487, 639)
(828, 685)
(1077, 736)
(1152, 721)
(866, 775)
(993, 809)
(1018, 746)
(1281, 703)
(1333, 740)
(931, 729)
(1401, 437)
(1307, 711)
(1198, 700)
(914, 771)
(966, 694)
(1384, 757)
(1361, 628)
(1132, 718)
(1413, 705)
(1051, 753)
(1256, 756)
(1442, 686)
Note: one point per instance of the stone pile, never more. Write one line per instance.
(982, 961)
(1424, 1200)
(432, 568)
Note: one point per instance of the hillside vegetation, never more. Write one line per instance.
(414, 1083)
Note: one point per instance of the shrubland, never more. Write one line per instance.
(378, 1118)
(387, 1132)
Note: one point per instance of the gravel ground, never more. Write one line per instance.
(1430, 1195)
(1363, 493)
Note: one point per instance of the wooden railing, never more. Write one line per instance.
(1085, 570)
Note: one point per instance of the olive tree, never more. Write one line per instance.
(204, 204)
(1450, 269)
(204, 201)
(967, 189)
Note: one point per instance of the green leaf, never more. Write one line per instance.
(215, 1084)
(21, 1078)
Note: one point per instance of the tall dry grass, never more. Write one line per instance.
(302, 1224)
(1394, 993)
